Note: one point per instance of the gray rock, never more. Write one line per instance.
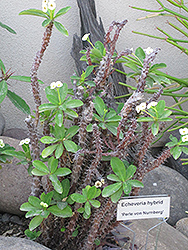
(16, 133)
(13, 243)
(164, 180)
(182, 226)
(16, 220)
(15, 182)
(6, 218)
(2, 124)
(169, 238)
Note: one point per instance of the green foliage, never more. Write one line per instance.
(4, 26)
(88, 195)
(177, 147)
(122, 177)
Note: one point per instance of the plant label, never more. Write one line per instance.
(143, 207)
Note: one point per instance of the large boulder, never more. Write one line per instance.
(17, 133)
(168, 239)
(13, 243)
(182, 226)
(15, 183)
(164, 180)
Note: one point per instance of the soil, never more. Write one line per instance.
(13, 225)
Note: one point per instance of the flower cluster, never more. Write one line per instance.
(148, 50)
(184, 132)
(142, 106)
(51, 5)
(99, 183)
(57, 84)
(43, 204)
(1, 143)
(25, 141)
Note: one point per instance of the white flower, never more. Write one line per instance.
(148, 50)
(51, 5)
(138, 109)
(98, 184)
(102, 181)
(1, 143)
(22, 142)
(183, 131)
(44, 7)
(59, 84)
(185, 138)
(53, 85)
(85, 37)
(45, 2)
(43, 204)
(151, 104)
(143, 106)
(27, 141)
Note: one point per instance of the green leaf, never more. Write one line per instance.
(140, 54)
(79, 198)
(95, 203)
(80, 210)
(86, 216)
(24, 79)
(35, 222)
(33, 12)
(165, 114)
(48, 140)
(70, 146)
(173, 138)
(89, 128)
(185, 150)
(38, 172)
(46, 107)
(66, 212)
(73, 103)
(3, 90)
(59, 151)
(59, 132)
(33, 213)
(145, 119)
(135, 183)
(61, 28)
(56, 183)
(46, 197)
(91, 192)
(63, 90)
(2, 66)
(27, 207)
(87, 208)
(99, 46)
(176, 152)
(118, 168)
(63, 171)
(66, 187)
(59, 118)
(89, 70)
(160, 107)
(155, 128)
(117, 195)
(62, 204)
(115, 118)
(52, 95)
(71, 113)
(157, 66)
(41, 166)
(96, 53)
(18, 102)
(7, 28)
(111, 189)
(32, 235)
(46, 22)
(113, 177)
(130, 172)
(20, 155)
(34, 201)
(71, 132)
(99, 105)
(127, 187)
(48, 151)
(62, 11)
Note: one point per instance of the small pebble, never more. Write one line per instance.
(16, 220)
(6, 218)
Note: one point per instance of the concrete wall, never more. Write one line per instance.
(18, 51)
